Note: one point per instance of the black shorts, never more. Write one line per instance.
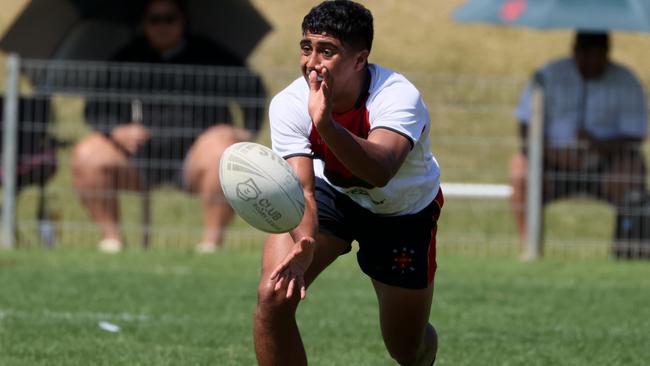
(395, 250)
(560, 182)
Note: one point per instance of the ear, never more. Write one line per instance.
(361, 59)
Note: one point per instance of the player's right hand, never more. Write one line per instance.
(291, 271)
(130, 136)
(320, 98)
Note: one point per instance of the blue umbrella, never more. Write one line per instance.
(586, 15)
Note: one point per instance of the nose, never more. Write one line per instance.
(312, 61)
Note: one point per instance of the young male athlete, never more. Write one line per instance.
(357, 136)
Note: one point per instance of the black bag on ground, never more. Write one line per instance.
(632, 233)
(36, 151)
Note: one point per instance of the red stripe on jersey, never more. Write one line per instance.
(439, 200)
(356, 121)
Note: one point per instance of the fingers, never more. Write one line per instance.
(291, 285)
(326, 78)
(292, 282)
(318, 78)
(303, 288)
(281, 267)
(314, 83)
(278, 284)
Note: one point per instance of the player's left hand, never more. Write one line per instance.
(291, 271)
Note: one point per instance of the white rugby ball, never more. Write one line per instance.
(261, 187)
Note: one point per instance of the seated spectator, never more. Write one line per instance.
(142, 141)
(595, 119)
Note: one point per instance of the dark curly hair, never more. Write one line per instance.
(346, 20)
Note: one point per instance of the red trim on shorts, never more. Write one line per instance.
(439, 200)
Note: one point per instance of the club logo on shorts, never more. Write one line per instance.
(403, 260)
(248, 190)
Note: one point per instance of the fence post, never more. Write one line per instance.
(9, 151)
(534, 209)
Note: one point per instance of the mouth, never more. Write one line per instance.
(319, 77)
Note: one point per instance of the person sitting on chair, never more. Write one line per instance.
(141, 141)
(595, 119)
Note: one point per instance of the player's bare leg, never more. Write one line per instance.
(404, 320)
(276, 334)
(99, 171)
(201, 176)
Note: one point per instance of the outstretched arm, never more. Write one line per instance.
(292, 269)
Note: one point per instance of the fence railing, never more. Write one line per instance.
(53, 105)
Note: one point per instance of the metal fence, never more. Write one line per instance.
(54, 105)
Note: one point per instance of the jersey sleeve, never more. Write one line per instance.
(634, 113)
(524, 111)
(290, 126)
(400, 108)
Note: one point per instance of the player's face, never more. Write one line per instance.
(163, 25)
(318, 51)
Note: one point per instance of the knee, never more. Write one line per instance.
(83, 158)
(272, 304)
(88, 153)
(414, 352)
(220, 136)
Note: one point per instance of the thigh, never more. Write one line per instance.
(400, 250)
(98, 156)
(403, 314)
(204, 154)
(328, 248)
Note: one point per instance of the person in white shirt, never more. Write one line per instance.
(595, 119)
(357, 136)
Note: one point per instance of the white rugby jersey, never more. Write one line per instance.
(392, 103)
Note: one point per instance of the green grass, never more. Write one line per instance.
(177, 308)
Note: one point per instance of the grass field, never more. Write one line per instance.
(176, 308)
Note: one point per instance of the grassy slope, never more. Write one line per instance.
(177, 308)
(419, 35)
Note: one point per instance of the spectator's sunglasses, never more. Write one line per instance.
(162, 18)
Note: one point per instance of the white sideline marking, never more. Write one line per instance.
(94, 316)
(470, 190)
(109, 327)
(80, 315)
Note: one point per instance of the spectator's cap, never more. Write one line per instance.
(587, 40)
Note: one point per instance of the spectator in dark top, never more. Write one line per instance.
(150, 131)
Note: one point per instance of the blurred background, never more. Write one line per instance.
(471, 77)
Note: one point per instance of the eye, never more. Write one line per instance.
(305, 50)
(327, 52)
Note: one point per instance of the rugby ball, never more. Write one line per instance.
(261, 187)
